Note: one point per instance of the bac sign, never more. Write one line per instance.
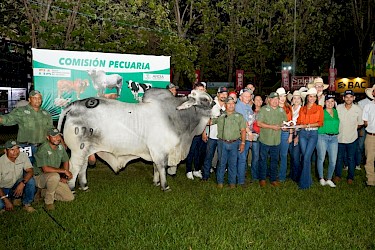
(357, 84)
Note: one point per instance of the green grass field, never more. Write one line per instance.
(126, 211)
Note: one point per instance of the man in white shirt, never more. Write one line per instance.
(210, 135)
(350, 116)
(369, 120)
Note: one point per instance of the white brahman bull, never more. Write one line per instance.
(158, 129)
(102, 81)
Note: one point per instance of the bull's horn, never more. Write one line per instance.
(190, 102)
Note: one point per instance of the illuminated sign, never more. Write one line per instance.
(357, 84)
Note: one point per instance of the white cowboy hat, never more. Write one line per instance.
(315, 82)
(369, 92)
(311, 91)
(281, 91)
(297, 93)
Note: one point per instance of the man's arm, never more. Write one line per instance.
(19, 189)
(265, 125)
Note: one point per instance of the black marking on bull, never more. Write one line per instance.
(82, 145)
(84, 130)
(76, 130)
(91, 131)
(92, 103)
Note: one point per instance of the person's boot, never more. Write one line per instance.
(50, 207)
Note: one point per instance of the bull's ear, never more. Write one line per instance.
(187, 104)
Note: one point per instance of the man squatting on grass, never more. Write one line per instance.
(49, 158)
(16, 179)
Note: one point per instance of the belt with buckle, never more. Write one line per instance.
(310, 129)
(228, 141)
(331, 134)
(373, 134)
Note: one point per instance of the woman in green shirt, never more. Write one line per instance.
(327, 140)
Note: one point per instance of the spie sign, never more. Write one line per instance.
(301, 81)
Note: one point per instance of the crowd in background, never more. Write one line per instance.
(285, 134)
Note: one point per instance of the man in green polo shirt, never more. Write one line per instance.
(52, 171)
(270, 120)
(33, 123)
(231, 133)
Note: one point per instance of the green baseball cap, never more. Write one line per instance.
(11, 143)
(53, 132)
(34, 93)
(273, 95)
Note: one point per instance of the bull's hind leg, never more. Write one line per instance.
(78, 166)
(160, 174)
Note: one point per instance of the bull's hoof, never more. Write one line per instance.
(157, 184)
(85, 188)
(167, 189)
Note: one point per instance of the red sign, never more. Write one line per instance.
(285, 79)
(239, 79)
(197, 76)
(332, 78)
(301, 81)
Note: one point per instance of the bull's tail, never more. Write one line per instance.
(62, 117)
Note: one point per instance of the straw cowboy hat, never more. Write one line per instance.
(296, 93)
(311, 91)
(281, 91)
(317, 81)
(369, 92)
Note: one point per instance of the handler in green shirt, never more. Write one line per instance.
(51, 161)
(231, 133)
(269, 120)
(33, 123)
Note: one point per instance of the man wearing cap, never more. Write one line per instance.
(210, 134)
(52, 172)
(350, 116)
(173, 88)
(244, 108)
(232, 134)
(368, 117)
(33, 123)
(270, 119)
(16, 178)
(320, 87)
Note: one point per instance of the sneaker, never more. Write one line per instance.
(345, 168)
(220, 186)
(85, 188)
(358, 167)
(350, 181)
(275, 184)
(322, 182)
(198, 174)
(189, 175)
(2, 211)
(232, 186)
(262, 183)
(212, 170)
(28, 208)
(50, 207)
(336, 179)
(17, 202)
(330, 183)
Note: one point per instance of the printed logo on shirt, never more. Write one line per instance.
(27, 112)
(268, 109)
(49, 152)
(45, 112)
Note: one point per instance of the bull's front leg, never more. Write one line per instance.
(78, 167)
(160, 174)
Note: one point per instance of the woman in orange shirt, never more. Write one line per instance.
(310, 118)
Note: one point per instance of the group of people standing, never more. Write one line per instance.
(306, 124)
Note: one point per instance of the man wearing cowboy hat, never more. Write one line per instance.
(359, 156)
(369, 121)
(320, 87)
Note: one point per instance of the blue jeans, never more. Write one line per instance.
(359, 159)
(241, 163)
(327, 143)
(227, 154)
(284, 146)
(210, 151)
(255, 160)
(194, 154)
(347, 150)
(307, 142)
(295, 162)
(274, 152)
(27, 196)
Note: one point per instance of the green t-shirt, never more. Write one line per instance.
(331, 124)
(229, 126)
(271, 116)
(46, 156)
(32, 125)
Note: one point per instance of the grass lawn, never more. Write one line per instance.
(126, 211)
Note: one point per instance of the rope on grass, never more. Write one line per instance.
(63, 228)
